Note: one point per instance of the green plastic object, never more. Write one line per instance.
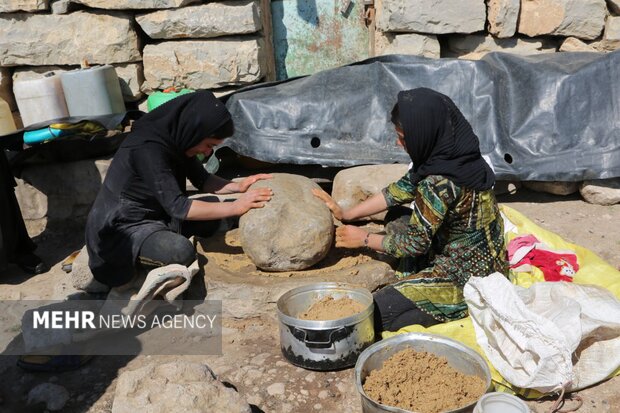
(159, 98)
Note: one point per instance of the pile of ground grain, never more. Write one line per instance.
(422, 382)
(328, 308)
(224, 249)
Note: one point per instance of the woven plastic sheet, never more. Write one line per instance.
(544, 117)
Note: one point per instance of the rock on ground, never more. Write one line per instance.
(293, 231)
(555, 188)
(53, 395)
(176, 387)
(602, 191)
(354, 185)
(81, 276)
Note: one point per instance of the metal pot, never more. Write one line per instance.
(459, 356)
(329, 344)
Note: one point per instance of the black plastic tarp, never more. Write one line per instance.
(544, 117)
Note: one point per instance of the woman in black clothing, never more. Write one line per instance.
(142, 215)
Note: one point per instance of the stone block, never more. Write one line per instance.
(203, 64)
(409, 44)
(431, 16)
(203, 21)
(476, 46)
(55, 39)
(583, 19)
(502, 16)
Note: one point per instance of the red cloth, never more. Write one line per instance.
(555, 265)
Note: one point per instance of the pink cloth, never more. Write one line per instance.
(526, 250)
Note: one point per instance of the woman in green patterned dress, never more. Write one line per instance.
(453, 229)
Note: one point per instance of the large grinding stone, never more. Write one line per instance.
(293, 231)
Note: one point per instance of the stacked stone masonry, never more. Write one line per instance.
(222, 45)
(156, 44)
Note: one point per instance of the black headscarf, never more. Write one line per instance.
(181, 122)
(440, 141)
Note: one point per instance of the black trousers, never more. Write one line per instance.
(168, 247)
(14, 239)
(394, 311)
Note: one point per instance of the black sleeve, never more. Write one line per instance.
(154, 167)
(196, 173)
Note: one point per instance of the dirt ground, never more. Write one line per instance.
(251, 360)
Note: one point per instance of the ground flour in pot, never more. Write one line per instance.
(328, 308)
(423, 383)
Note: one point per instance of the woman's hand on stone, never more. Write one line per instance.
(329, 201)
(349, 236)
(245, 184)
(254, 198)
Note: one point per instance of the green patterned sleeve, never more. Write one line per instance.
(399, 192)
(430, 205)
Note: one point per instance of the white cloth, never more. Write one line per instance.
(169, 282)
(550, 336)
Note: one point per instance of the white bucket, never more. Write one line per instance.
(500, 403)
(93, 91)
(40, 99)
(7, 124)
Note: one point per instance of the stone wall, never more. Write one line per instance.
(222, 45)
(153, 44)
(471, 28)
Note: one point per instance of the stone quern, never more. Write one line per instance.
(293, 231)
(354, 185)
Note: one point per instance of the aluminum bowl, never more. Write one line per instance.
(459, 356)
(324, 344)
